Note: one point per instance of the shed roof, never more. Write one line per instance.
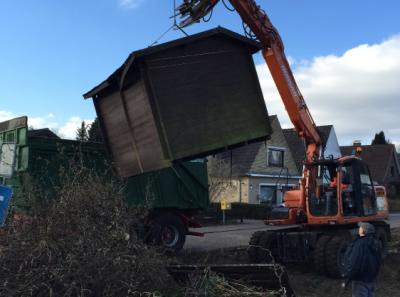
(377, 157)
(254, 46)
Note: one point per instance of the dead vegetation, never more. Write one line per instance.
(212, 285)
(82, 244)
(220, 179)
(307, 283)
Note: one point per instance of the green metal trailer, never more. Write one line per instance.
(38, 156)
(173, 194)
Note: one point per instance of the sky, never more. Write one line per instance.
(345, 55)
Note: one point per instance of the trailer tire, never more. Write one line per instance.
(335, 253)
(382, 236)
(254, 246)
(267, 253)
(319, 255)
(169, 232)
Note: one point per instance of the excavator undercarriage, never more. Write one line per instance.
(322, 247)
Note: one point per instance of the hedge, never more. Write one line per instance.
(238, 211)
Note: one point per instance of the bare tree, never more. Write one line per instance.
(219, 178)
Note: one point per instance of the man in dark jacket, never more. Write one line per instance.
(362, 262)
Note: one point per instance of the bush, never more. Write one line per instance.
(80, 244)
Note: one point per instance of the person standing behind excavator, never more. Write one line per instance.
(362, 262)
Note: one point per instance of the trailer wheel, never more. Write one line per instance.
(320, 254)
(268, 247)
(169, 232)
(335, 253)
(382, 237)
(254, 246)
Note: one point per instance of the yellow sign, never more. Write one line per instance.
(225, 205)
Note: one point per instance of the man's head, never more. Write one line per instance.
(365, 228)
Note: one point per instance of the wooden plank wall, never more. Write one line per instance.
(132, 134)
(143, 128)
(118, 135)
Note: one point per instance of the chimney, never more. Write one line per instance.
(357, 148)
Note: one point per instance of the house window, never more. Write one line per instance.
(267, 194)
(275, 157)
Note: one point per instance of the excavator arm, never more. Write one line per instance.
(273, 51)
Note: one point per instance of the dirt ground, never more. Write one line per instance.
(307, 283)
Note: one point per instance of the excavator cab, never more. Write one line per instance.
(337, 191)
(342, 190)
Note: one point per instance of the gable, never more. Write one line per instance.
(298, 149)
(331, 147)
(277, 141)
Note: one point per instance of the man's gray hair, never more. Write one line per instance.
(367, 227)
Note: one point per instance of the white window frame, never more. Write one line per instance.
(278, 188)
(276, 148)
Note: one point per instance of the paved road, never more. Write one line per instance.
(227, 236)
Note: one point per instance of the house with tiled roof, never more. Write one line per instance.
(382, 162)
(261, 172)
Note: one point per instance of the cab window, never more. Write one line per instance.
(367, 191)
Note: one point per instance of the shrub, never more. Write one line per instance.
(80, 244)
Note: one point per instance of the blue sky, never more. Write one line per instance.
(53, 51)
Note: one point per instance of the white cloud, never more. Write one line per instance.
(130, 4)
(47, 121)
(358, 92)
(6, 115)
(68, 130)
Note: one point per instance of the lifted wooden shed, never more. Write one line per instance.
(180, 100)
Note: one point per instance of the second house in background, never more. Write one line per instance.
(261, 172)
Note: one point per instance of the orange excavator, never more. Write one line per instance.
(320, 218)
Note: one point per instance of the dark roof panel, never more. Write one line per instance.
(376, 156)
(324, 132)
(254, 47)
(42, 133)
(296, 147)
